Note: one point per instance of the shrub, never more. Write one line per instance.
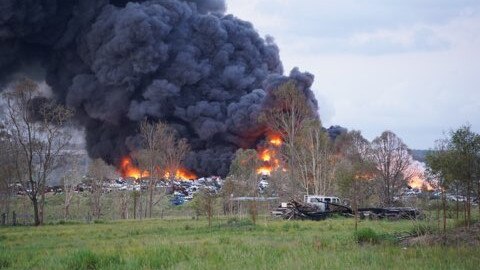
(367, 235)
(236, 223)
(99, 221)
(4, 262)
(86, 259)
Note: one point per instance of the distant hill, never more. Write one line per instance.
(419, 155)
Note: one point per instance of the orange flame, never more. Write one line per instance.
(275, 139)
(266, 155)
(269, 155)
(183, 174)
(264, 170)
(128, 169)
(418, 182)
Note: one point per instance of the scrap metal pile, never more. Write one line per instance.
(306, 211)
(299, 210)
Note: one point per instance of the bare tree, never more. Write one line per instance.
(205, 202)
(149, 157)
(243, 171)
(162, 154)
(7, 183)
(287, 117)
(355, 170)
(122, 202)
(70, 180)
(314, 159)
(98, 172)
(392, 159)
(38, 137)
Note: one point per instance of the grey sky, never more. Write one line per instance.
(408, 66)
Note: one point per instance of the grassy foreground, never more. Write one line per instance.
(229, 244)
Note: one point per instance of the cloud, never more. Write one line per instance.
(408, 66)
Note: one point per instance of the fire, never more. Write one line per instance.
(269, 155)
(418, 182)
(264, 170)
(275, 139)
(266, 155)
(182, 174)
(128, 169)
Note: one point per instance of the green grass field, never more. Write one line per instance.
(229, 244)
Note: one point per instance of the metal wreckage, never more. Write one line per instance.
(316, 207)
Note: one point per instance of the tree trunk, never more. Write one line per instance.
(150, 203)
(36, 211)
(140, 205)
(478, 196)
(42, 206)
(456, 201)
(469, 187)
(438, 213)
(356, 210)
(67, 211)
(444, 206)
(134, 206)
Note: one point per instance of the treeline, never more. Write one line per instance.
(304, 160)
(310, 162)
(455, 166)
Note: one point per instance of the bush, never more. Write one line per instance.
(86, 259)
(67, 222)
(366, 235)
(99, 221)
(4, 262)
(235, 222)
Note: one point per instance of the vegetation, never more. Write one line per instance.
(232, 243)
(456, 166)
(36, 140)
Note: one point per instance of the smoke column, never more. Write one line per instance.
(117, 62)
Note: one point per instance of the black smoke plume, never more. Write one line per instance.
(117, 62)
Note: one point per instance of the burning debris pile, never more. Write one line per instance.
(129, 170)
(117, 62)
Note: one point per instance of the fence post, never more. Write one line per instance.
(4, 219)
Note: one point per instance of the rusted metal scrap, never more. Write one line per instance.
(300, 210)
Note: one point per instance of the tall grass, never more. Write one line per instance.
(229, 243)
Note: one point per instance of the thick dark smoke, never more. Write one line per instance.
(118, 62)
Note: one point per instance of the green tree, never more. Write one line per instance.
(440, 163)
(457, 162)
